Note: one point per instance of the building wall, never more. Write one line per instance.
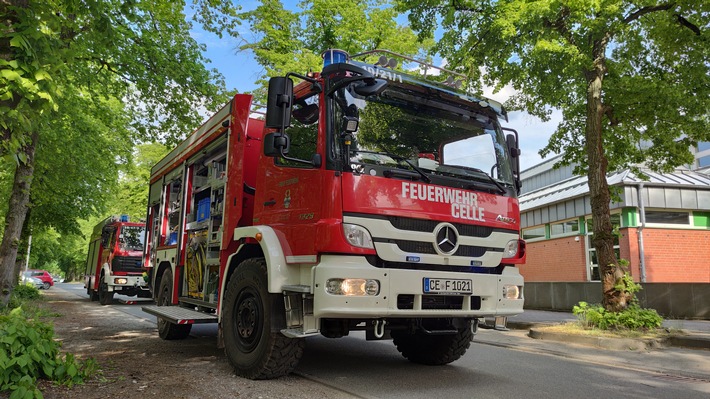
(677, 256)
(558, 259)
(629, 250)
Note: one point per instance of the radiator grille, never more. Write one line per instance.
(127, 264)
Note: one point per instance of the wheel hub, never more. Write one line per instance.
(247, 317)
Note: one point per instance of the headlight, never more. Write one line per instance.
(120, 281)
(357, 236)
(511, 291)
(352, 287)
(511, 249)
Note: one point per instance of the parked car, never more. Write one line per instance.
(34, 281)
(42, 275)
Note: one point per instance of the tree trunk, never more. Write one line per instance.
(610, 272)
(14, 220)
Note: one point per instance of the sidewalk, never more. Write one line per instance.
(695, 333)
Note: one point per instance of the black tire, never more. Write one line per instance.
(432, 350)
(46, 285)
(166, 329)
(105, 297)
(252, 348)
(93, 295)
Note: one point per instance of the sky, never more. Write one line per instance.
(240, 71)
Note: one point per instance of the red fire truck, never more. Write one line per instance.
(364, 199)
(115, 260)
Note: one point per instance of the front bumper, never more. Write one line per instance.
(132, 283)
(401, 292)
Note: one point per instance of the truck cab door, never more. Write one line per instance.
(289, 196)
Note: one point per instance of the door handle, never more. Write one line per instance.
(270, 203)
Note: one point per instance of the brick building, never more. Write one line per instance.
(662, 225)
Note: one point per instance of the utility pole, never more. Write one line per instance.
(29, 248)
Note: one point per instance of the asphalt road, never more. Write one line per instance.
(374, 369)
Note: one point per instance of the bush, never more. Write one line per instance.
(23, 293)
(633, 318)
(28, 352)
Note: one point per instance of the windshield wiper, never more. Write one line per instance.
(480, 172)
(500, 187)
(401, 173)
(416, 168)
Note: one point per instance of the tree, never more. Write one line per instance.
(131, 196)
(292, 41)
(53, 51)
(625, 74)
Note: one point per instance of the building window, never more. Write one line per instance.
(668, 217)
(703, 145)
(534, 233)
(564, 228)
(704, 161)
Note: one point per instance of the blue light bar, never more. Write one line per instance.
(334, 56)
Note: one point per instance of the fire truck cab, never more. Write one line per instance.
(364, 199)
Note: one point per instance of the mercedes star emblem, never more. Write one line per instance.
(447, 238)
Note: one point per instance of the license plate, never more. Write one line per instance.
(447, 286)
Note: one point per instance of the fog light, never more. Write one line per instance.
(352, 287)
(511, 291)
(120, 281)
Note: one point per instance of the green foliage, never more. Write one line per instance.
(28, 352)
(656, 81)
(22, 294)
(131, 195)
(292, 41)
(84, 81)
(633, 317)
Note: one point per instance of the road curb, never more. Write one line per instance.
(601, 342)
(690, 341)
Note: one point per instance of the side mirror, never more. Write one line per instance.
(278, 103)
(276, 144)
(512, 143)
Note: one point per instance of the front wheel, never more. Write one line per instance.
(433, 350)
(166, 329)
(105, 296)
(252, 348)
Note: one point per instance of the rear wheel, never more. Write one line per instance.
(46, 285)
(105, 296)
(433, 350)
(166, 329)
(93, 295)
(252, 348)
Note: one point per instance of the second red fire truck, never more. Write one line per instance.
(365, 199)
(114, 263)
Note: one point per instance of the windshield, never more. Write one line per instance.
(132, 238)
(417, 133)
